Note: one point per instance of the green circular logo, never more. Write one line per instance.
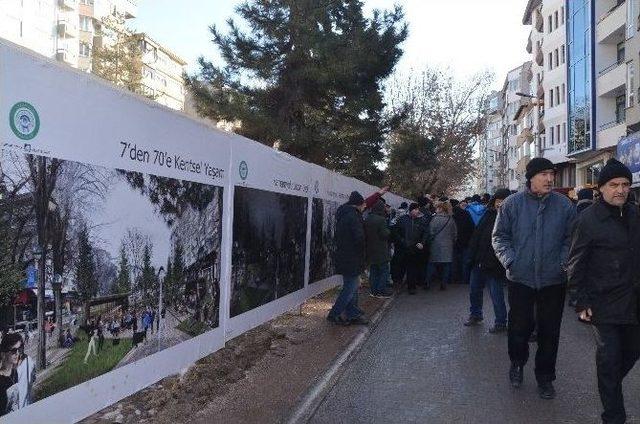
(244, 170)
(24, 121)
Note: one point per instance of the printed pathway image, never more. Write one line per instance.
(421, 365)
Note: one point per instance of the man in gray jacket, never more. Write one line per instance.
(531, 239)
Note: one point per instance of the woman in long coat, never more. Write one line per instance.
(443, 233)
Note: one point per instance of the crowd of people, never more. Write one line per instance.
(536, 243)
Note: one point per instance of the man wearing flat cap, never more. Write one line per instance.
(604, 249)
(531, 239)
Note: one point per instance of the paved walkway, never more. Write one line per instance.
(420, 365)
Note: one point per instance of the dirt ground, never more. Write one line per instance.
(257, 378)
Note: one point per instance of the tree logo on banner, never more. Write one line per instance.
(244, 170)
(24, 121)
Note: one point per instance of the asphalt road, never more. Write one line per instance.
(421, 365)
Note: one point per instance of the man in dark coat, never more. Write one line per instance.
(585, 199)
(411, 241)
(349, 260)
(378, 256)
(461, 260)
(486, 269)
(604, 251)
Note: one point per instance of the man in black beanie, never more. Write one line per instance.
(349, 260)
(531, 239)
(604, 250)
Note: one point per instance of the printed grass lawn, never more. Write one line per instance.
(73, 371)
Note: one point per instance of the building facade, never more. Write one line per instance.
(491, 154)
(67, 30)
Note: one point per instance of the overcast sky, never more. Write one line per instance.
(468, 36)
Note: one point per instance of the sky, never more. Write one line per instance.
(468, 36)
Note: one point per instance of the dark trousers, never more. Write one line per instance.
(548, 304)
(415, 270)
(618, 349)
(398, 267)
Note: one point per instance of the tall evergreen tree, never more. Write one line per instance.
(308, 77)
(86, 281)
(148, 275)
(123, 281)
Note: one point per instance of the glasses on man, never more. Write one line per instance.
(14, 351)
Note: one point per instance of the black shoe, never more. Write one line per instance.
(384, 294)
(471, 321)
(516, 375)
(546, 390)
(498, 328)
(360, 320)
(337, 320)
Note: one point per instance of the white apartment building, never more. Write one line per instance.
(66, 30)
(490, 149)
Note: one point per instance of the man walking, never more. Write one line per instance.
(531, 239)
(349, 260)
(378, 256)
(411, 243)
(603, 253)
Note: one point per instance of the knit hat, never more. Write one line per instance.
(614, 169)
(413, 206)
(476, 198)
(585, 194)
(454, 202)
(403, 205)
(538, 165)
(355, 199)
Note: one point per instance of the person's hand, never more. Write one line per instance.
(419, 246)
(383, 190)
(585, 315)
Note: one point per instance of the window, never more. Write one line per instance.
(620, 53)
(556, 57)
(555, 18)
(550, 61)
(552, 138)
(20, 28)
(85, 49)
(631, 71)
(86, 23)
(621, 103)
(563, 55)
(86, 2)
(557, 95)
(563, 93)
(550, 23)
(558, 139)
(562, 15)
(551, 98)
(632, 16)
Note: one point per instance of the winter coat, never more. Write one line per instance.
(476, 210)
(350, 241)
(531, 237)
(604, 251)
(377, 236)
(465, 226)
(407, 233)
(582, 205)
(442, 233)
(481, 251)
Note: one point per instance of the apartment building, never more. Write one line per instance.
(67, 30)
(490, 164)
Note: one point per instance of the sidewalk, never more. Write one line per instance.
(421, 365)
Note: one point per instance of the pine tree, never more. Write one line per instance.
(86, 281)
(123, 281)
(308, 77)
(119, 56)
(148, 275)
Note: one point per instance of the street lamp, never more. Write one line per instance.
(160, 281)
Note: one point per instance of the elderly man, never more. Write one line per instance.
(604, 250)
(531, 239)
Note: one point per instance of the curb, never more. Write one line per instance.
(307, 407)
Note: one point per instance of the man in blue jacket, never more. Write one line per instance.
(531, 239)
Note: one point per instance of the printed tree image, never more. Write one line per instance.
(10, 273)
(86, 281)
(123, 280)
(148, 278)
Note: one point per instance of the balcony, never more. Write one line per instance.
(539, 21)
(529, 44)
(610, 27)
(68, 4)
(609, 134)
(62, 55)
(539, 55)
(66, 29)
(612, 80)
